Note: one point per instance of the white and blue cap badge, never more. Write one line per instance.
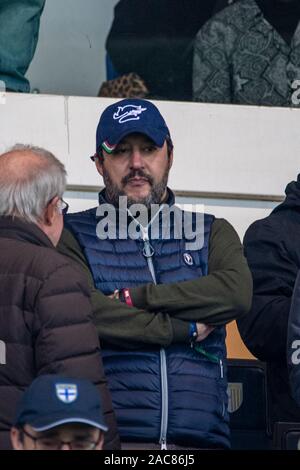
(52, 400)
(66, 392)
(127, 117)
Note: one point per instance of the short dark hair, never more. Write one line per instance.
(170, 147)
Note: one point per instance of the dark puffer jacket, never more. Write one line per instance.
(273, 252)
(293, 343)
(45, 322)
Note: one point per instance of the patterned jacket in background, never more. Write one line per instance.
(240, 58)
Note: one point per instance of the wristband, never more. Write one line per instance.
(193, 331)
(127, 297)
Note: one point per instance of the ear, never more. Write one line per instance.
(101, 442)
(170, 160)
(51, 212)
(99, 165)
(16, 440)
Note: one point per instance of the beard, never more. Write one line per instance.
(157, 190)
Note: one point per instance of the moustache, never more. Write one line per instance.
(140, 174)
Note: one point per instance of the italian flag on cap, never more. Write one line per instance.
(107, 147)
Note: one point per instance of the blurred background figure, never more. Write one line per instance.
(45, 310)
(19, 30)
(273, 253)
(154, 39)
(249, 53)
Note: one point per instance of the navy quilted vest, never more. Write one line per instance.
(174, 395)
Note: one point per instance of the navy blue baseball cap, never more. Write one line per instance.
(52, 400)
(129, 116)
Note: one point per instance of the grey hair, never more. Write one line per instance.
(26, 194)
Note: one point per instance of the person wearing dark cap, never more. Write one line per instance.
(155, 291)
(59, 413)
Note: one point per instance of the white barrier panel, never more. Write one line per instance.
(218, 148)
(35, 119)
(70, 54)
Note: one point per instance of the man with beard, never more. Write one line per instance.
(156, 290)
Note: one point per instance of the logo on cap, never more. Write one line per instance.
(130, 112)
(67, 393)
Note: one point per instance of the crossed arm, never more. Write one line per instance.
(161, 314)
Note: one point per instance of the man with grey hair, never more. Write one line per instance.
(45, 312)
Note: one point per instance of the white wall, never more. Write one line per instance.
(224, 148)
(218, 148)
(70, 56)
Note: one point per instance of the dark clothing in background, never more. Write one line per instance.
(283, 16)
(241, 58)
(154, 38)
(273, 252)
(293, 344)
(161, 313)
(19, 31)
(45, 322)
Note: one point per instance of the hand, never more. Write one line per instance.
(203, 331)
(115, 295)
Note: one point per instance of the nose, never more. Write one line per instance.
(65, 446)
(136, 160)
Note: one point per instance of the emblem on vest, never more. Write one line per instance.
(235, 396)
(188, 259)
(130, 112)
(2, 353)
(66, 393)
